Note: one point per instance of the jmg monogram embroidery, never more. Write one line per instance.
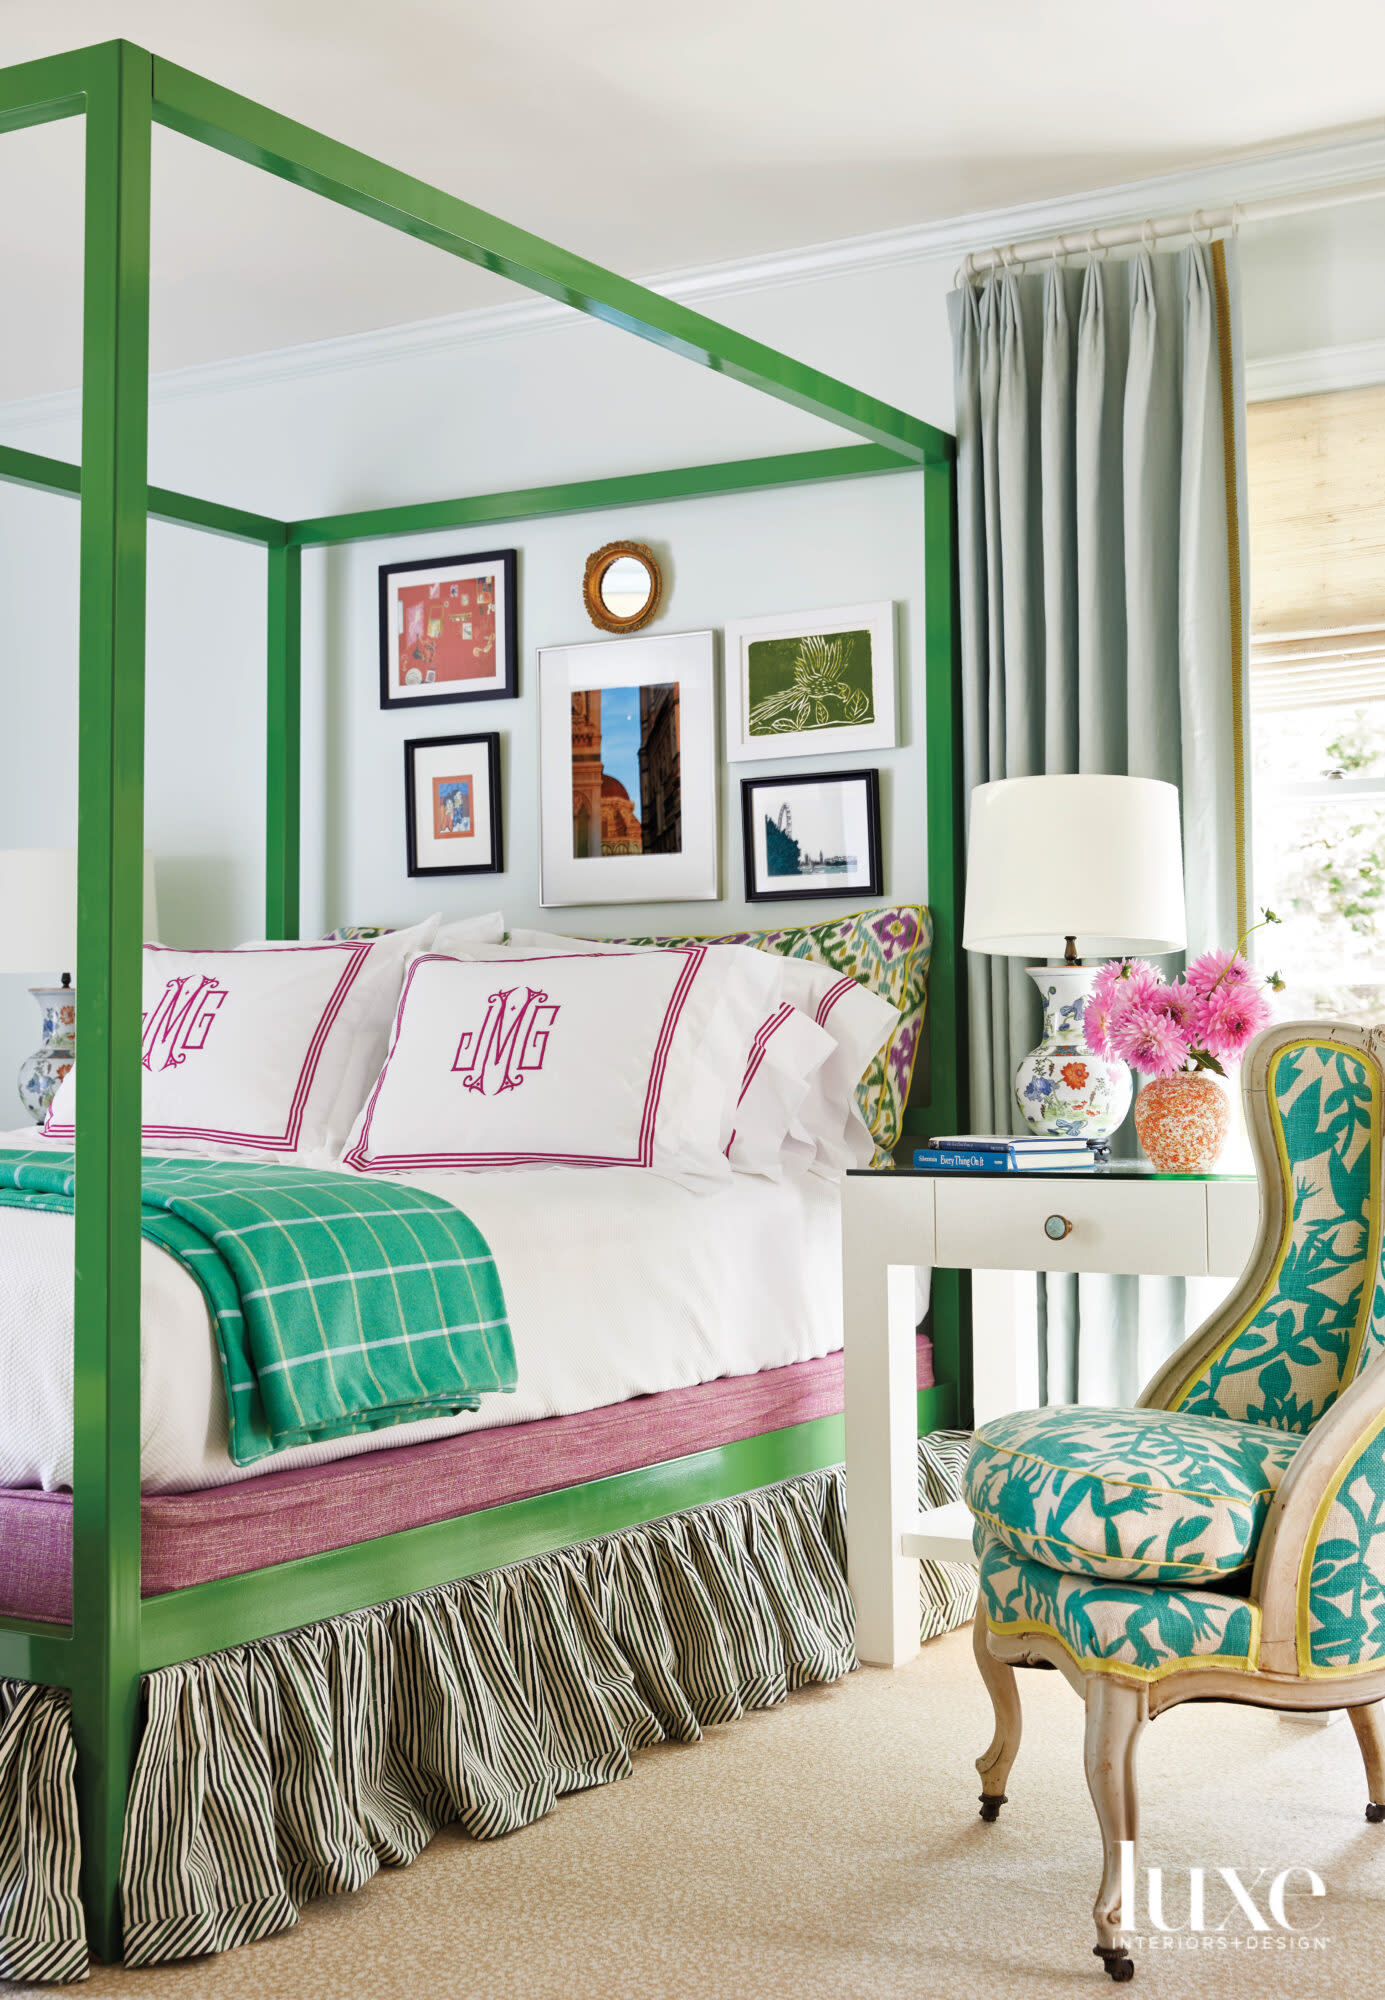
(181, 1021)
(512, 1041)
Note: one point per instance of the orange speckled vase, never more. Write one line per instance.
(1183, 1121)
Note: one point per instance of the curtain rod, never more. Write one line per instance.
(977, 263)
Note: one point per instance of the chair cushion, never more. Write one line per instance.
(1149, 1496)
(1139, 1631)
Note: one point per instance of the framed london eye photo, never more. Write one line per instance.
(812, 835)
(811, 684)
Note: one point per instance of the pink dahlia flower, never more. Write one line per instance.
(1105, 984)
(1178, 1001)
(1096, 1025)
(1149, 1040)
(1219, 969)
(1232, 1015)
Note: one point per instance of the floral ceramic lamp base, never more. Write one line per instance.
(42, 1072)
(1065, 1090)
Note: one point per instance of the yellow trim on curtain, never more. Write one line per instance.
(1222, 295)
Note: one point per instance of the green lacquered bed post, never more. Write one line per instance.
(945, 1110)
(110, 893)
(283, 742)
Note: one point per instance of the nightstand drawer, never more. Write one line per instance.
(1156, 1227)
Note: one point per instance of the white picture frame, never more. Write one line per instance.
(588, 761)
(827, 729)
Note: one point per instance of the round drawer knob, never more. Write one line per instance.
(1057, 1227)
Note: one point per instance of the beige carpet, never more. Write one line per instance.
(831, 1850)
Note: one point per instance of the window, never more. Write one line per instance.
(1317, 695)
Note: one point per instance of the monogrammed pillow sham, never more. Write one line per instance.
(565, 1059)
(269, 1049)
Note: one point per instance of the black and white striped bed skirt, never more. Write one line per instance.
(300, 1765)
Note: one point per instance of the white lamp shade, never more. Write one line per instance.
(1098, 859)
(38, 908)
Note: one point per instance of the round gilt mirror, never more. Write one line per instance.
(622, 586)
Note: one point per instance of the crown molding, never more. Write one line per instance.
(1358, 366)
(1221, 184)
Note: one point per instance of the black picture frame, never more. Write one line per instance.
(507, 640)
(778, 782)
(491, 739)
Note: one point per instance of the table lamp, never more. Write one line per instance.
(38, 933)
(1073, 868)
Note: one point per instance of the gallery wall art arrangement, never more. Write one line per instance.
(629, 770)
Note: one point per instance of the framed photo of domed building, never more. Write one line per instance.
(812, 835)
(628, 771)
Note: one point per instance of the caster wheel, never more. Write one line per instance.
(1374, 1813)
(1119, 1965)
(991, 1802)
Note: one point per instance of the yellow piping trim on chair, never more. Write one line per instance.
(1303, 1636)
(1092, 1664)
(1272, 1282)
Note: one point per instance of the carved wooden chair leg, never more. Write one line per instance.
(1369, 1724)
(996, 1762)
(1116, 1713)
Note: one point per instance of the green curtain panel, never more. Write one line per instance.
(1101, 491)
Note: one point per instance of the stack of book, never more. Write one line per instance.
(973, 1153)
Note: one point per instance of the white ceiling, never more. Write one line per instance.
(648, 138)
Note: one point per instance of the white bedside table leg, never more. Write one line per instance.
(1004, 1343)
(881, 1428)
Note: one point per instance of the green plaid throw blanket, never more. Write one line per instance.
(340, 1304)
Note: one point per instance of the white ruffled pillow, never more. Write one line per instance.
(267, 1049)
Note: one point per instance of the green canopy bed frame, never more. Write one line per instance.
(116, 1637)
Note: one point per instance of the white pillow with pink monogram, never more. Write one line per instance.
(269, 1049)
(568, 1059)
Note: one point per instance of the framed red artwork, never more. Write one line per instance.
(447, 630)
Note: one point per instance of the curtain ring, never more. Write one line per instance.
(1098, 252)
(1237, 216)
(1149, 242)
(1199, 221)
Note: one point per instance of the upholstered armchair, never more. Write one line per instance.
(1225, 1540)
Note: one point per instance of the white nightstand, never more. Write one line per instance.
(1116, 1219)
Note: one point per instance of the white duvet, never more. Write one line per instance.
(618, 1283)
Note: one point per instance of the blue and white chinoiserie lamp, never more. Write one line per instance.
(38, 933)
(1073, 869)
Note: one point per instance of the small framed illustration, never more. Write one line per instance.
(628, 771)
(812, 835)
(811, 684)
(452, 805)
(447, 630)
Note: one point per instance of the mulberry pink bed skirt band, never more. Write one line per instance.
(221, 1531)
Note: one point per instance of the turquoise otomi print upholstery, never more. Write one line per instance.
(1346, 1581)
(1142, 1630)
(1136, 1495)
(1293, 1357)
(1086, 1517)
